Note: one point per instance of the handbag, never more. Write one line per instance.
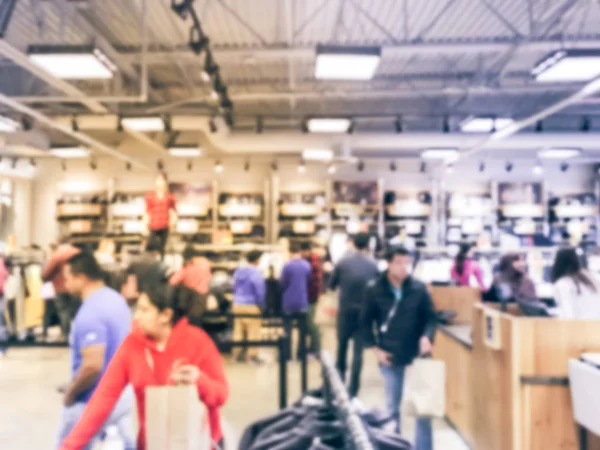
(425, 388)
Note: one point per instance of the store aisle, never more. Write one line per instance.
(30, 403)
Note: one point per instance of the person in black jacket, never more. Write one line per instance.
(398, 320)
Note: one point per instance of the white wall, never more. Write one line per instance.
(79, 177)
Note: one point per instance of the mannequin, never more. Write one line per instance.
(161, 212)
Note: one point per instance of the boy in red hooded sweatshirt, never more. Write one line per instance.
(163, 349)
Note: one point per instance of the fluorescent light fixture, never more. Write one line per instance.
(317, 154)
(7, 125)
(331, 125)
(559, 153)
(346, 63)
(72, 62)
(574, 65)
(185, 152)
(484, 124)
(70, 152)
(448, 155)
(144, 123)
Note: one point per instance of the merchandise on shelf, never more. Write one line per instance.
(521, 212)
(469, 216)
(301, 215)
(573, 218)
(355, 206)
(410, 211)
(243, 215)
(82, 216)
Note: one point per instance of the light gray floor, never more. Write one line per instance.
(30, 404)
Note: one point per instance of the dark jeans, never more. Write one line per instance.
(50, 315)
(348, 327)
(163, 236)
(313, 331)
(66, 308)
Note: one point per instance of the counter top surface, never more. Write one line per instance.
(460, 333)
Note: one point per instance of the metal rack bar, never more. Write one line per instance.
(341, 400)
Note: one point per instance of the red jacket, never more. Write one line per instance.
(187, 345)
(196, 275)
(315, 285)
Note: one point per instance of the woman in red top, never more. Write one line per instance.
(161, 211)
(162, 349)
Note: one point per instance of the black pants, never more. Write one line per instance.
(348, 327)
(66, 307)
(50, 315)
(163, 236)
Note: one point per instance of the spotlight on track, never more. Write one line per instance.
(274, 166)
(539, 126)
(32, 162)
(63, 166)
(585, 124)
(15, 161)
(538, 169)
(360, 166)
(247, 166)
(160, 165)
(398, 124)
(564, 167)
(210, 67)
(74, 124)
(331, 169)
(259, 125)
(212, 125)
(198, 41)
(93, 164)
(218, 167)
(190, 165)
(351, 127)
(509, 166)
(482, 166)
(181, 7)
(393, 166)
(450, 169)
(423, 167)
(446, 125)
(128, 166)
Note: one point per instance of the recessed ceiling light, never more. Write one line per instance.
(574, 65)
(70, 152)
(72, 62)
(328, 125)
(538, 169)
(317, 154)
(346, 63)
(185, 152)
(484, 124)
(559, 153)
(441, 154)
(144, 123)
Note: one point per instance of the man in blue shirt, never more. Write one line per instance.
(101, 324)
(295, 278)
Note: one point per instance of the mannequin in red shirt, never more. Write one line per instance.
(161, 212)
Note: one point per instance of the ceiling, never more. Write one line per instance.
(440, 59)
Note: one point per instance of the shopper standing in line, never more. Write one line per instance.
(66, 304)
(101, 324)
(465, 267)
(351, 275)
(161, 211)
(3, 330)
(315, 288)
(162, 350)
(400, 309)
(195, 274)
(249, 291)
(144, 267)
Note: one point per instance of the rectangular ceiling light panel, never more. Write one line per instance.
(559, 153)
(346, 63)
(70, 152)
(448, 155)
(328, 125)
(484, 124)
(185, 152)
(565, 66)
(144, 123)
(7, 125)
(72, 62)
(317, 154)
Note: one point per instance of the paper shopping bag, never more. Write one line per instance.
(176, 419)
(425, 388)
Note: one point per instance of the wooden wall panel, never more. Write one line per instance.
(459, 299)
(459, 398)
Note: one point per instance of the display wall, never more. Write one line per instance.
(41, 227)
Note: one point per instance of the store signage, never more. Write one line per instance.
(492, 336)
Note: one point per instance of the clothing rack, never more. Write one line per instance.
(336, 393)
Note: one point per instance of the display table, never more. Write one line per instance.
(507, 378)
(584, 379)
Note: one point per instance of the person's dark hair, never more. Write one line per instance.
(568, 264)
(461, 257)
(506, 266)
(253, 256)
(85, 263)
(361, 241)
(189, 253)
(294, 247)
(179, 299)
(306, 246)
(395, 250)
(153, 244)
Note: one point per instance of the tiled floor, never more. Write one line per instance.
(30, 404)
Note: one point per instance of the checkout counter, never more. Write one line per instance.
(507, 375)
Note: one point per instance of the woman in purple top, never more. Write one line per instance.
(464, 267)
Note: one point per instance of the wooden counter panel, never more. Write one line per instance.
(493, 401)
(455, 298)
(548, 419)
(459, 398)
(546, 344)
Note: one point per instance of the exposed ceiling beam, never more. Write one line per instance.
(164, 55)
(79, 136)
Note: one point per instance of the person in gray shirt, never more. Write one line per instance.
(351, 276)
